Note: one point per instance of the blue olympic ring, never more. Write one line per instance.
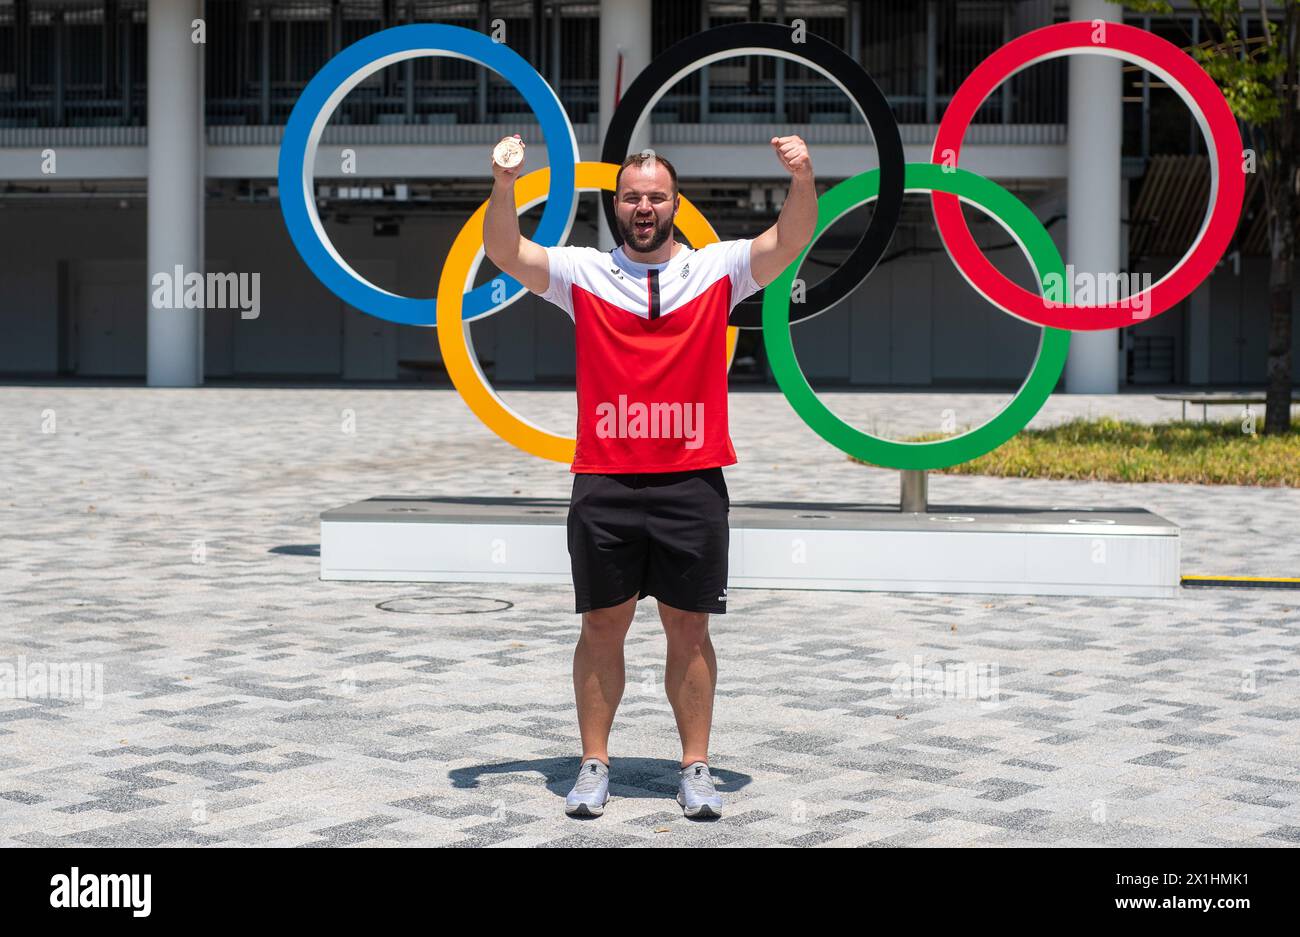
(343, 73)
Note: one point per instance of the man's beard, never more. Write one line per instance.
(658, 235)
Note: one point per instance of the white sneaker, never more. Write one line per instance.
(695, 792)
(591, 791)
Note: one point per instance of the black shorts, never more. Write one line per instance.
(659, 533)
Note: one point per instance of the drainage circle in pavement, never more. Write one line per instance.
(444, 605)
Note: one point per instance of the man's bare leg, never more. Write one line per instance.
(598, 674)
(690, 677)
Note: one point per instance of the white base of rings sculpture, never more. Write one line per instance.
(774, 545)
(844, 547)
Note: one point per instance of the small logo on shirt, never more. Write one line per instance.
(686, 269)
(617, 272)
(638, 420)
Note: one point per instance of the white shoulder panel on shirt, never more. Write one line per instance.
(630, 286)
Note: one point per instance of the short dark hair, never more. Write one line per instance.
(640, 159)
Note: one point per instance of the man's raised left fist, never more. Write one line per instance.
(793, 153)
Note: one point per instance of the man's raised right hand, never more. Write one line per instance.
(508, 176)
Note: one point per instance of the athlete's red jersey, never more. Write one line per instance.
(651, 354)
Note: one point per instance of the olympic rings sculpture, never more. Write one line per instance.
(456, 306)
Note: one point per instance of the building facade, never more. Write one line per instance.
(127, 141)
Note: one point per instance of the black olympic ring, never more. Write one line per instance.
(815, 52)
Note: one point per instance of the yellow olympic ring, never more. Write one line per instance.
(453, 331)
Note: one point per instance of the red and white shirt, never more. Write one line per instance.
(651, 353)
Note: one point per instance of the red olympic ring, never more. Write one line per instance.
(1198, 91)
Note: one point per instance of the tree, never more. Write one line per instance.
(1254, 56)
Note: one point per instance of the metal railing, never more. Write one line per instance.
(81, 63)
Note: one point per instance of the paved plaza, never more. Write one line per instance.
(164, 543)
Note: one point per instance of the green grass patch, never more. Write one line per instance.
(1113, 450)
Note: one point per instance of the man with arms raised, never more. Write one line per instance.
(648, 513)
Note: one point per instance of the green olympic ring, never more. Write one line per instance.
(1033, 239)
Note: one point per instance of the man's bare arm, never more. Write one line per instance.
(777, 247)
(513, 253)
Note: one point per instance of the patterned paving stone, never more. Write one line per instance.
(164, 542)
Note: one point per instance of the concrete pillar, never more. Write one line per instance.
(175, 336)
(1093, 230)
(624, 24)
